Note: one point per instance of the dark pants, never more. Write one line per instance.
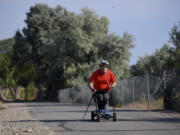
(101, 98)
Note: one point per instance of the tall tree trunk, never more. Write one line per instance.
(13, 91)
(26, 94)
(18, 93)
(4, 93)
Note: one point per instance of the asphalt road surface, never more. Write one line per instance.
(67, 119)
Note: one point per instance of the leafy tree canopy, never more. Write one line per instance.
(66, 47)
(6, 46)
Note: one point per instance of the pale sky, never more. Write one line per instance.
(149, 21)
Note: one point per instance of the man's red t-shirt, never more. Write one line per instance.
(102, 81)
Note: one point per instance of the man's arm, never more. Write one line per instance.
(91, 86)
(114, 84)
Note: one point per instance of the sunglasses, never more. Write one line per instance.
(104, 66)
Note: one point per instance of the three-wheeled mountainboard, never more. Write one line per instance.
(97, 114)
(103, 114)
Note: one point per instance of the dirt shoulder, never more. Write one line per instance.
(16, 120)
(169, 113)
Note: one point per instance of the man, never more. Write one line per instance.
(101, 83)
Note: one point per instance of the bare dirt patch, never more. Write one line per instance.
(15, 119)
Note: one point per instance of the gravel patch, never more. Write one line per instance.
(15, 119)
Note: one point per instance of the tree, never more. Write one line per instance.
(116, 50)
(172, 93)
(6, 46)
(155, 63)
(175, 36)
(25, 75)
(175, 40)
(15, 71)
(7, 81)
(5, 76)
(65, 47)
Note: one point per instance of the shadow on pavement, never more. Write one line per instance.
(131, 130)
(171, 120)
(82, 111)
(43, 104)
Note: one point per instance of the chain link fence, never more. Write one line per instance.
(136, 92)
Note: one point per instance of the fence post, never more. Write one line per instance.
(133, 91)
(147, 78)
(164, 78)
(122, 93)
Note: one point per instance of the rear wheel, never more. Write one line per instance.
(114, 117)
(98, 117)
(92, 115)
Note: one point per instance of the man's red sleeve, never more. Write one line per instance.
(93, 77)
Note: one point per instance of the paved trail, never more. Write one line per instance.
(67, 119)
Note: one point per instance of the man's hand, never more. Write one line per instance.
(109, 87)
(93, 91)
(113, 84)
(91, 86)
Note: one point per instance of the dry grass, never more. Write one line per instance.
(158, 104)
